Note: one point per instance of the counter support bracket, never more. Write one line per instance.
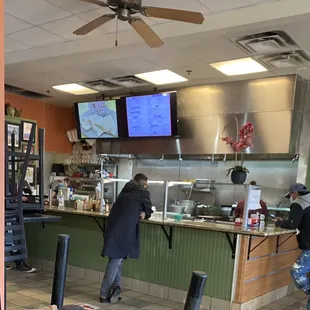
(168, 235)
(285, 240)
(256, 246)
(102, 227)
(232, 243)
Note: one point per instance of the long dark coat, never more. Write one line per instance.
(122, 238)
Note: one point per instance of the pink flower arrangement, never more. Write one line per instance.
(245, 139)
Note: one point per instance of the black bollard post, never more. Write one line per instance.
(195, 292)
(60, 270)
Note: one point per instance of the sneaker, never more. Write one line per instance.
(25, 268)
(115, 297)
(104, 300)
(8, 267)
(108, 300)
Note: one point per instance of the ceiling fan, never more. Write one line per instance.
(124, 11)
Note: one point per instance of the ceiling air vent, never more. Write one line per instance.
(287, 60)
(24, 92)
(128, 81)
(101, 85)
(267, 42)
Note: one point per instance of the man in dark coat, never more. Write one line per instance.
(122, 237)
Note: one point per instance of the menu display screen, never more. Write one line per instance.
(149, 116)
(98, 119)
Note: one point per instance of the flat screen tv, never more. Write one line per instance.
(97, 120)
(152, 116)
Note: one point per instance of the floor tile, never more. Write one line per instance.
(121, 307)
(133, 294)
(151, 299)
(171, 304)
(24, 301)
(137, 303)
(30, 291)
(37, 305)
(156, 307)
(15, 288)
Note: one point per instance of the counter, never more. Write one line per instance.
(267, 231)
(235, 259)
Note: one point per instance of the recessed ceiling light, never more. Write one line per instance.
(75, 89)
(239, 66)
(161, 77)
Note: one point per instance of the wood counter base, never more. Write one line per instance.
(264, 267)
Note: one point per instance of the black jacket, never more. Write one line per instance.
(299, 219)
(122, 237)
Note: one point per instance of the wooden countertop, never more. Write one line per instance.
(269, 230)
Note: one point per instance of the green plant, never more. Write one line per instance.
(237, 168)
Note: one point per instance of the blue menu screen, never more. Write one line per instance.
(149, 116)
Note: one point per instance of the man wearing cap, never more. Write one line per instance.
(299, 219)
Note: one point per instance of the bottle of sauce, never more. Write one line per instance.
(61, 199)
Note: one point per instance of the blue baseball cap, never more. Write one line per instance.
(296, 188)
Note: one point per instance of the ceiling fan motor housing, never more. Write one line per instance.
(133, 6)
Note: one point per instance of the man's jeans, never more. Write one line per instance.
(299, 273)
(112, 277)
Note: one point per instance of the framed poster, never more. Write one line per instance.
(24, 148)
(26, 130)
(10, 129)
(31, 174)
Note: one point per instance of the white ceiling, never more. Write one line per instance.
(41, 51)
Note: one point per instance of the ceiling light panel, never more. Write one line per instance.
(239, 66)
(75, 89)
(161, 77)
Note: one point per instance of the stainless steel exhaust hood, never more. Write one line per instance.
(274, 105)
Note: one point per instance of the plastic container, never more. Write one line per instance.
(178, 217)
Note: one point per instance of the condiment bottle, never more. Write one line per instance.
(85, 205)
(61, 199)
(262, 221)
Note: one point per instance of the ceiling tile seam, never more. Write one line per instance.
(205, 5)
(22, 43)
(72, 14)
(54, 34)
(19, 19)
(150, 61)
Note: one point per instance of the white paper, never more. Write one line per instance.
(254, 198)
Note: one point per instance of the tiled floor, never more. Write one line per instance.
(295, 301)
(30, 291)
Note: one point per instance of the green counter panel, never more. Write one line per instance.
(191, 250)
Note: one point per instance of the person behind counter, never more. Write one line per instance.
(238, 213)
(299, 219)
(122, 237)
(62, 184)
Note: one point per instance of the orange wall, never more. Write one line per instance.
(2, 269)
(56, 120)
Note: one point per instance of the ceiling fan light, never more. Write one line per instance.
(161, 77)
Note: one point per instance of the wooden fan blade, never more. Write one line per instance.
(177, 15)
(94, 24)
(98, 2)
(146, 33)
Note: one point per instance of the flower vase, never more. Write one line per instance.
(238, 177)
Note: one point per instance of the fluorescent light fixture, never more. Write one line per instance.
(75, 89)
(161, 77)
(239, 66)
